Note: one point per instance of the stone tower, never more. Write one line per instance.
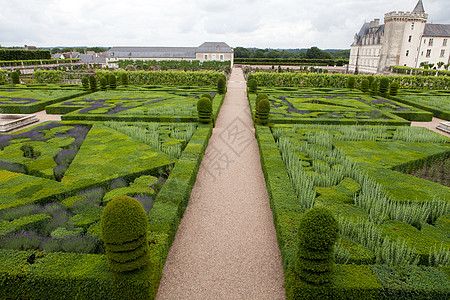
(402, 34)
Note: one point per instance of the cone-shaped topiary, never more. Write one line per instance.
(351, 82)
(252, 86)
(93, 83)
(318, 232)
(103, 83)
(259, 97)
(85, 83)
(112, 80)
(384, 87)
(124, 78)
(370, 78)
(365, 85)
(15, 78)
(393, 90)
(204, 109)
(124, 232)
(262, 112)
(373, 88)
(221, 84)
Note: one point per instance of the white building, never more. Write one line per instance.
(219, 51)
(405, 39)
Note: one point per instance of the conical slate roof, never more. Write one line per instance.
(419, 7)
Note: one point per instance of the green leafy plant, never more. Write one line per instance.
(103, 83)
(15, 78)
(124, 78)
(252, 86)
(204, 108)
(393, 89)
(351, 82)
(384, 87)
(221, 85)
(85, 83)
(262, 112)
(373, 88)
(124, 231)
(318, 233)
(365, 85)
(112, 81)
(93, 83)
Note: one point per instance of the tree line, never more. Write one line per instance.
(311, 53)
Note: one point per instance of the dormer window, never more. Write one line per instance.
(218, 48)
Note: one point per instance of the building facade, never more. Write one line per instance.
(219, 51)
(405, 39)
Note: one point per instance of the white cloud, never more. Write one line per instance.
(259, 23)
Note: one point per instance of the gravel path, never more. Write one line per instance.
(226, 246)
(43, 117)
(431, 125)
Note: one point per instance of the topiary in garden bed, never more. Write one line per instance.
(15, 78)
(124, 232)
(85, 83)
(393, 89)
(103, 83)
(124, 78)
(221, 85)
(365, 85)
(384, 87)
(373, 88)
(252, 86)
(112, 81)
(318, 232)
(262, 112)
(204, 108)
(351, 82)
(93, 83)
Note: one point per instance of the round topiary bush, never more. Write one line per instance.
(262, 112)
(252, 86)
(124, 78)
(15, 78)
(204, 109)
(318, 232)
(206, 95)
(365, 85)
(384, 86)
(259, 97)
(112, 80)
(85, 83)
(393, 90)
(93, 83)
(373, 88)
(124, 232)
(221, 84)
(103, 83)
(351, 82)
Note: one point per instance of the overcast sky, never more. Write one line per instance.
(247, 23)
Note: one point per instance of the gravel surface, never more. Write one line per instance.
(42, 117)
(226, 246)
(431, 125)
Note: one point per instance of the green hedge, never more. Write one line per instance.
(20, 54)
(437, 112)
(32, 62)
(340, 80)
(291, 61)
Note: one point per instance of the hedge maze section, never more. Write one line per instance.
(393, 226)
(336, 106)
(436, 102)
(175, 104)
(24, 100)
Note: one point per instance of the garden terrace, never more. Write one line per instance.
(138, 103)
(22, 99)
(56, 179)
(392, 225)
(336, 106)
(437, 102)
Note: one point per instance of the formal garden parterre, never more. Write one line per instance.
(57, 178)
(394, 236)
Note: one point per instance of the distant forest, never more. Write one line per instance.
(311, 53)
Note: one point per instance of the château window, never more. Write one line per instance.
(430, 42)
(442, 53)
(221, 56)
(444, 42)
(407, 52)
(409, 39)
(424, 41)
(206, 56)
(412, 26)
(428, 53)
